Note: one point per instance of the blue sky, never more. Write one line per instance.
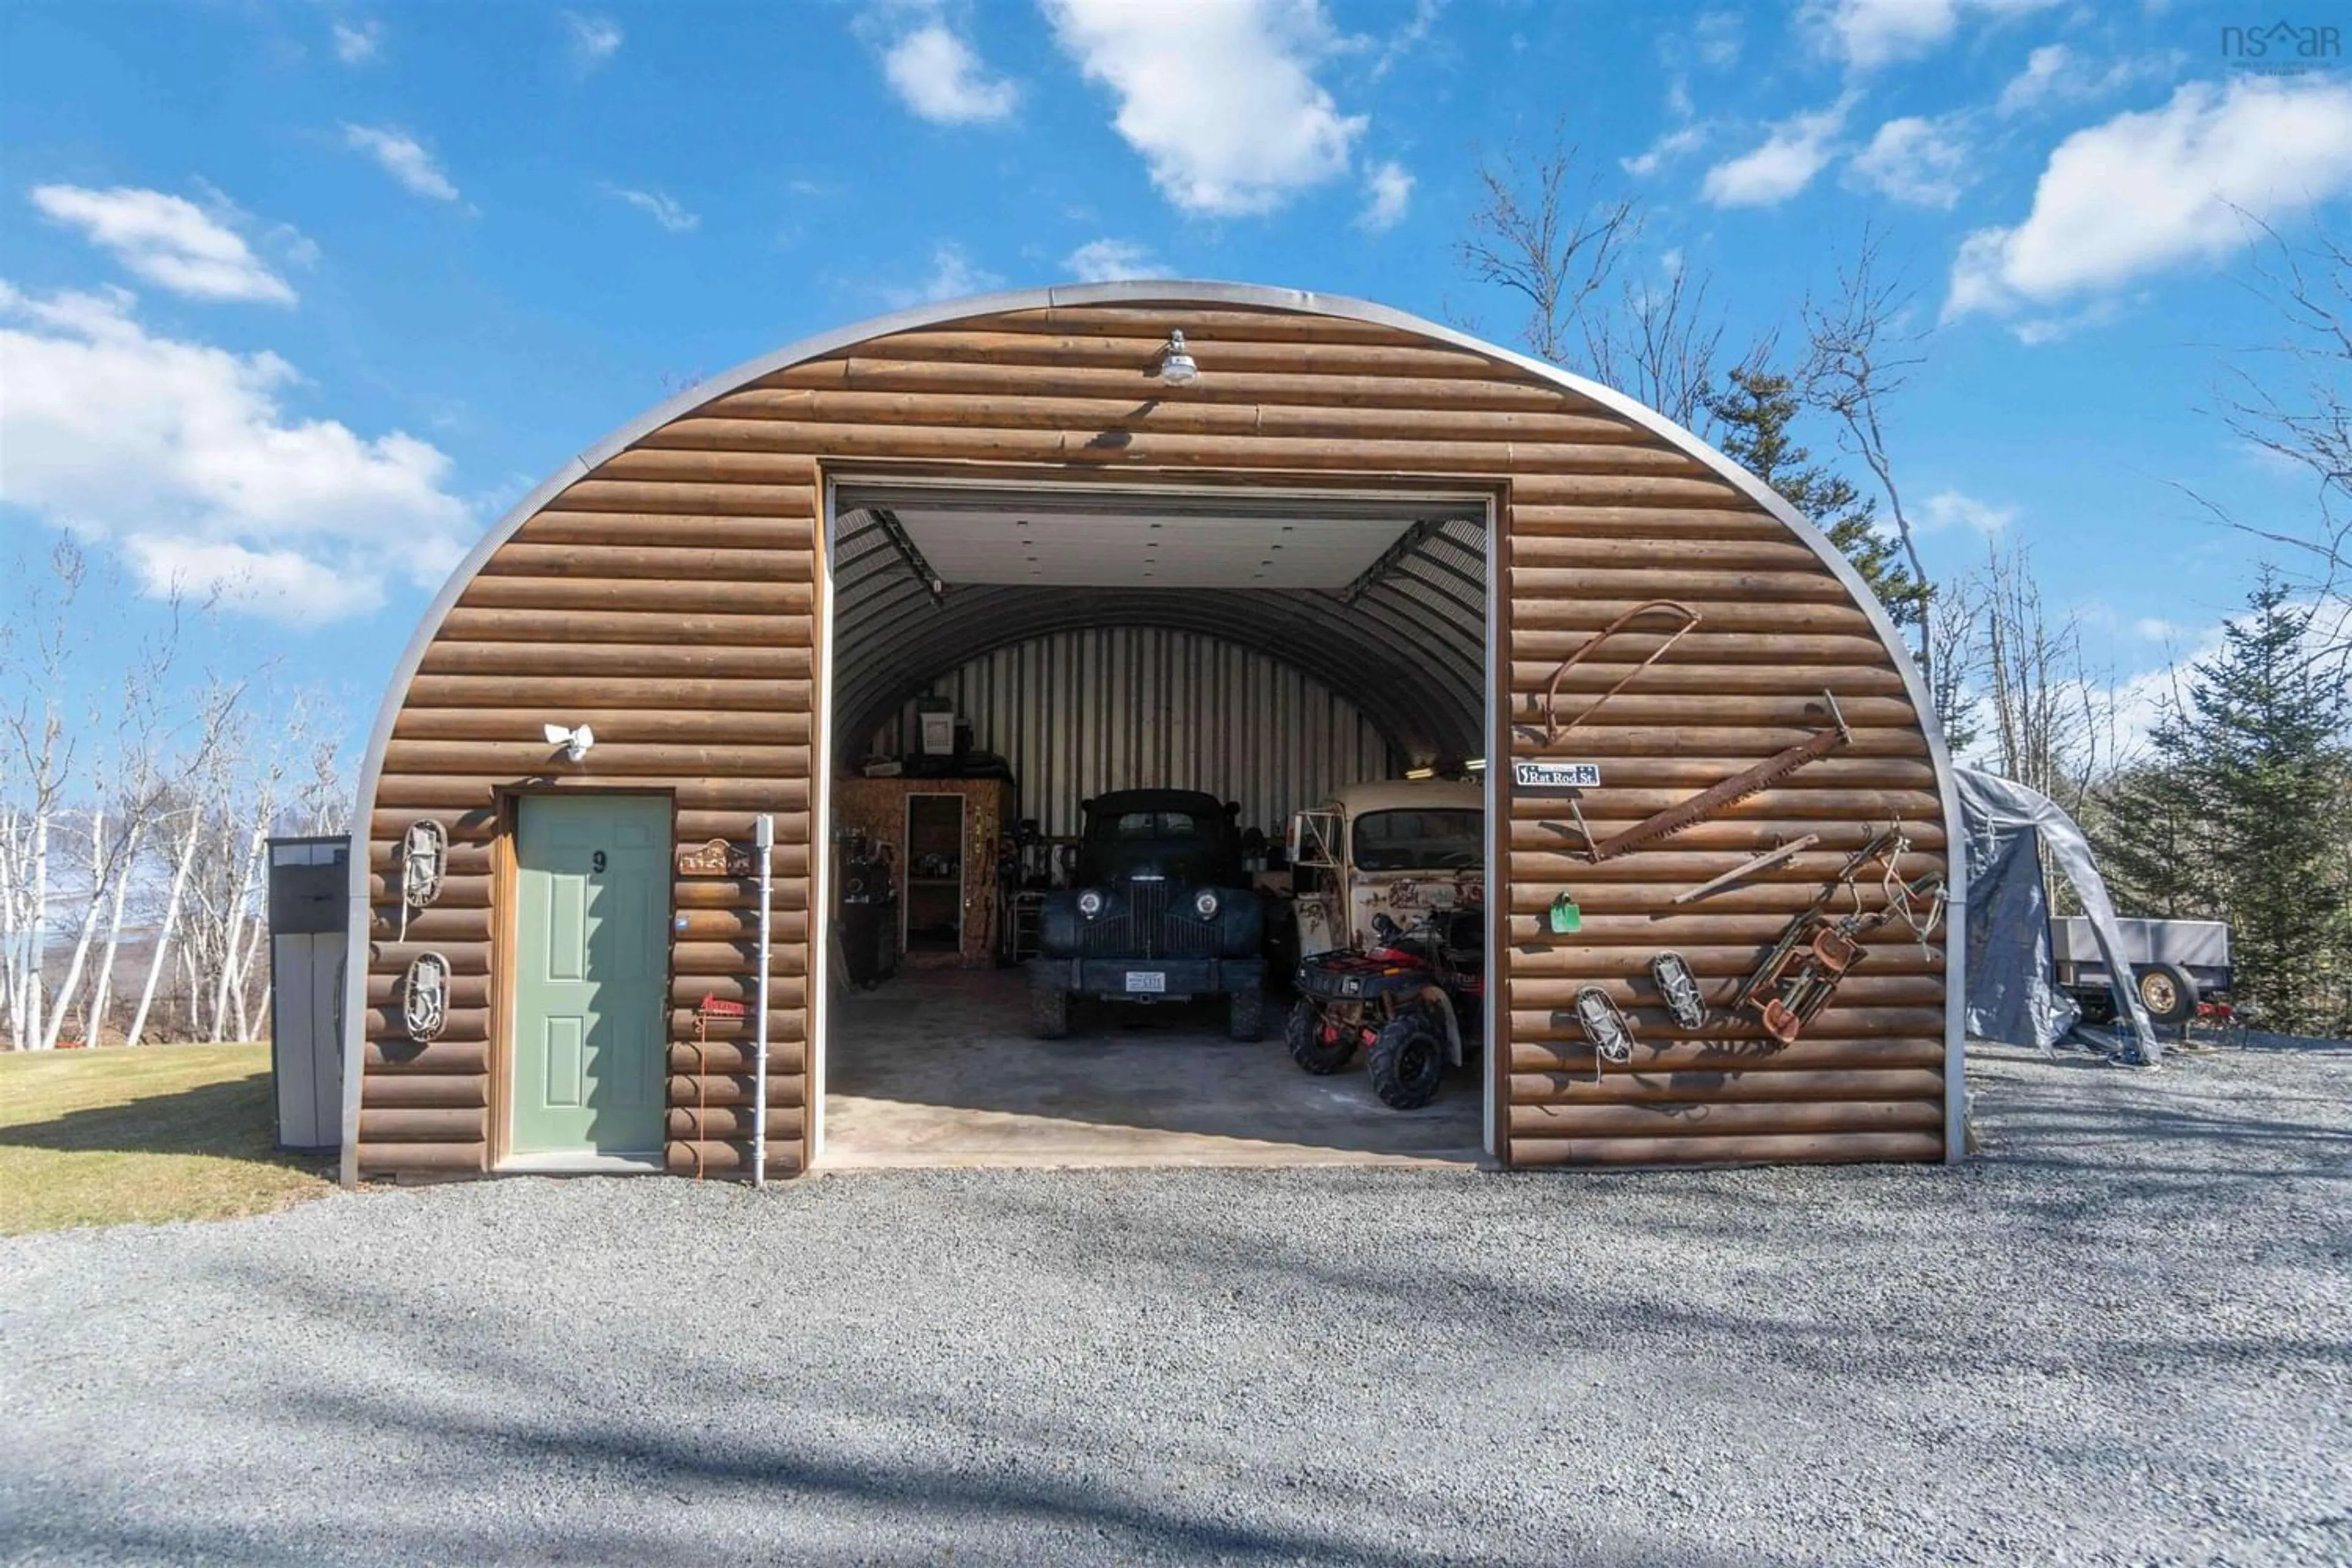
(297, 298)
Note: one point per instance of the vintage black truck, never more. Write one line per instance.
(1161, 911)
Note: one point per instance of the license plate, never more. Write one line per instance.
(1153, 981)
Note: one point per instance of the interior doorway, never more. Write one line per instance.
(1003, 660)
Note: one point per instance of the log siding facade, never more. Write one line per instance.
(670, 589)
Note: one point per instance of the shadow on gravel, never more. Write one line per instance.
(745, 1432)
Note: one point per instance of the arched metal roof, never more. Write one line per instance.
(1409, 651)
(1246, 296)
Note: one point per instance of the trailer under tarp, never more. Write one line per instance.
(2013, 993)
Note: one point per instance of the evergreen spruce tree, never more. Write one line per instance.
(2241, 817)
(1753, 417)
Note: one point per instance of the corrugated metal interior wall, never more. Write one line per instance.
(1077, 713)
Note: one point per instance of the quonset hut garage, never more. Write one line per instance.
(794, 710)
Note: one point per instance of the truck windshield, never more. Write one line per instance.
(1149, 824)
(1420, 840)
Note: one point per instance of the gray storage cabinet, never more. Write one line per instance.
(309, 894)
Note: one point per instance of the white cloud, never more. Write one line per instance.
(2156, 628)
(279, 584)
(659, 207)
(1794, 151)
(1922, 161)
(1672, 145)
(2054, 74)
(1950, 509)
(953, 277)
(1388, 193)
(1111, 261)
(168, 240)
(1719, 38)
(2191, 171)
(1220, 100)
(356, 43)
(183, 458)
(940, 77)
(403, 158)
(2046, 69)
(1867, 34)
(593, 40)
(1409, 37)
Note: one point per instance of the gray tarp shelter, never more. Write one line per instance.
(2012, 990)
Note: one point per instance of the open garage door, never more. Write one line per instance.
(1040, 694)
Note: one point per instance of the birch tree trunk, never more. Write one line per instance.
(164, 932)
(233, 928)
(99, 875)
(102, 989)
(36, 945)
(256, 928)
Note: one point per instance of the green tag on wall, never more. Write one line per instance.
(1565, 916)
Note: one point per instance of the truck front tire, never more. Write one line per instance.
(1245, 1016)
(1049, 1012)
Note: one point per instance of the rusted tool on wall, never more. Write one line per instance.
(1772, 857)
(1553, 728)
(1815, 953)
(712, 1006)
(1719, 798)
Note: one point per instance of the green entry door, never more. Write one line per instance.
(591, 973)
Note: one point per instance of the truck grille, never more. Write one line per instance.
(1153, 920)
(1147, 906)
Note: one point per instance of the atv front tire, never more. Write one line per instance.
(1303, 1033)
(1408, 1061)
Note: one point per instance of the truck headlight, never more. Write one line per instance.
(1205, 903)
(1090, 903)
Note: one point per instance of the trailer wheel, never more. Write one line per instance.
(1304, 1034)
(2167, 993)
(1408, 1061)
(1049, 1012)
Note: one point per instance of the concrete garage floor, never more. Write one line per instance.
(937, 1068)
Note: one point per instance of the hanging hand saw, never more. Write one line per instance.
(1719, 798)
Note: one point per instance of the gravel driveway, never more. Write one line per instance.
(2122, 1336)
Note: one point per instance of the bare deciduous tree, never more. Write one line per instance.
(140, 821)
(1858, 356)
(2292, 399)
(1548, 230)
(2048, 716)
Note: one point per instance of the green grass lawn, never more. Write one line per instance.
(161, 1132)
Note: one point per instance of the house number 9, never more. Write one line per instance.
(596, 861)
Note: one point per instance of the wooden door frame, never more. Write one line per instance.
(506, 932)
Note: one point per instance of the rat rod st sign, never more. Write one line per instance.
(1545, 774)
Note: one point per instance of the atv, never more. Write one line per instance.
(1412, 999)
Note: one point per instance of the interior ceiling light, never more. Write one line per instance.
(1176, 363)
